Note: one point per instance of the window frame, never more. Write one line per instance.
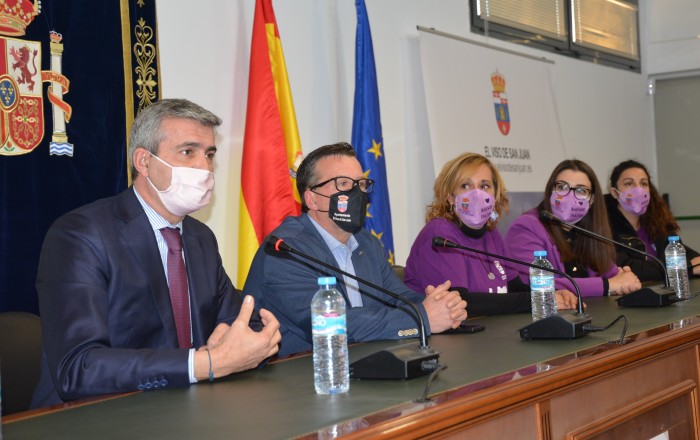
(566, 48)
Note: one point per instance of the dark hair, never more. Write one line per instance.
(306, 173)
(146, 133)
(588, 251)
(657, 221)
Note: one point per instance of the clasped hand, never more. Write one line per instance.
(445, 308)
(624, 282)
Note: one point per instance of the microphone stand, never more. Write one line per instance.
(560, 326)
(650, 296)
(400, 362)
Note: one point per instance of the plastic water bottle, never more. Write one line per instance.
(677, 267)
(544, 302)
(328, 328)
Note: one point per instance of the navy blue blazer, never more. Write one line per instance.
(106, 316)
(286, 283)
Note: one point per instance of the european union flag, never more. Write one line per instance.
(367, 133)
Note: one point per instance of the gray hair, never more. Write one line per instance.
(146, 133)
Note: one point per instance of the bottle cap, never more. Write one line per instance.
(540, 253)
(324, 281)
(673, 238)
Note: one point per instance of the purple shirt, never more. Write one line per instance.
(642, 235)
(527, 234)
(427, 265)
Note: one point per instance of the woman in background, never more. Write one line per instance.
(572, 194)
(469, 199)
(640, 218)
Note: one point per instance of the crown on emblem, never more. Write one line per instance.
(16, 15)
(499, 82)
(55, 37)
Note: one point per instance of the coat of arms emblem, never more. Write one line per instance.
(21, 85)
(500, 102)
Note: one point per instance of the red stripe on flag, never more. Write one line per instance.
(265, 179)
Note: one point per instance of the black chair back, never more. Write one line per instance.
(398, 270)
(20, 354)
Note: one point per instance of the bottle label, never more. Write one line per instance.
(328, 325)
(675, 262)
(542, 282)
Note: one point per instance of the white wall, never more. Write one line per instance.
(605, 113)
(674, 51)
(674, 37)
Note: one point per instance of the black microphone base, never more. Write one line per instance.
(401, 362)
(652, 296)
(567, 326)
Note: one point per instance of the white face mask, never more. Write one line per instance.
(190, 189)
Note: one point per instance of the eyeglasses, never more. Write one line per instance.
(580, 192)
(343, 183)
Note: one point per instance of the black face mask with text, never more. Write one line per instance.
(348, 209)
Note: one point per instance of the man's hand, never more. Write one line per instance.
(237, 347)
(445, 308)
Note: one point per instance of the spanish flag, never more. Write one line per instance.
(271, 146)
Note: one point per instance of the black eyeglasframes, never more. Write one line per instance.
(343, 183)
(580, 192)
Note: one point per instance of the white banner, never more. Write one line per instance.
(493, 102)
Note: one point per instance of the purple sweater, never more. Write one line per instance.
(427, 265)
(527, 234)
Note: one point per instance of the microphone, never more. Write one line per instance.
(566, 326)
(400, 362)
(651, 296)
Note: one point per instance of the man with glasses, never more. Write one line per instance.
(333, 191)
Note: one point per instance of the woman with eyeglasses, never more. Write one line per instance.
(470, 196)
(640, 218)
(572, 195)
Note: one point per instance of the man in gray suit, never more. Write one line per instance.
(334, 192)
(132, 292)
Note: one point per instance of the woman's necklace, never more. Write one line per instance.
(489, 273)
(478, 233)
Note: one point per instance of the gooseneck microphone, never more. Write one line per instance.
(401, 362)
(560, 326)
(651, 296)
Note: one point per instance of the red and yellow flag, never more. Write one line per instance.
(271, 146)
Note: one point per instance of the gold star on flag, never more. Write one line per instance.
(369, 215)
(379, 235)
(366, 174)
(391, 257)
(376, 149)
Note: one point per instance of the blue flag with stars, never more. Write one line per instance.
(367, 133)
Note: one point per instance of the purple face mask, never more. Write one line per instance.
(634, 200)
(474, 207)
(568, 208)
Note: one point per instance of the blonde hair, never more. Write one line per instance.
(456, 171)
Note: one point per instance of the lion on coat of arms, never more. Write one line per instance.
(22, 63)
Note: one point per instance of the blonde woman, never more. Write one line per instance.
(470, 197)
